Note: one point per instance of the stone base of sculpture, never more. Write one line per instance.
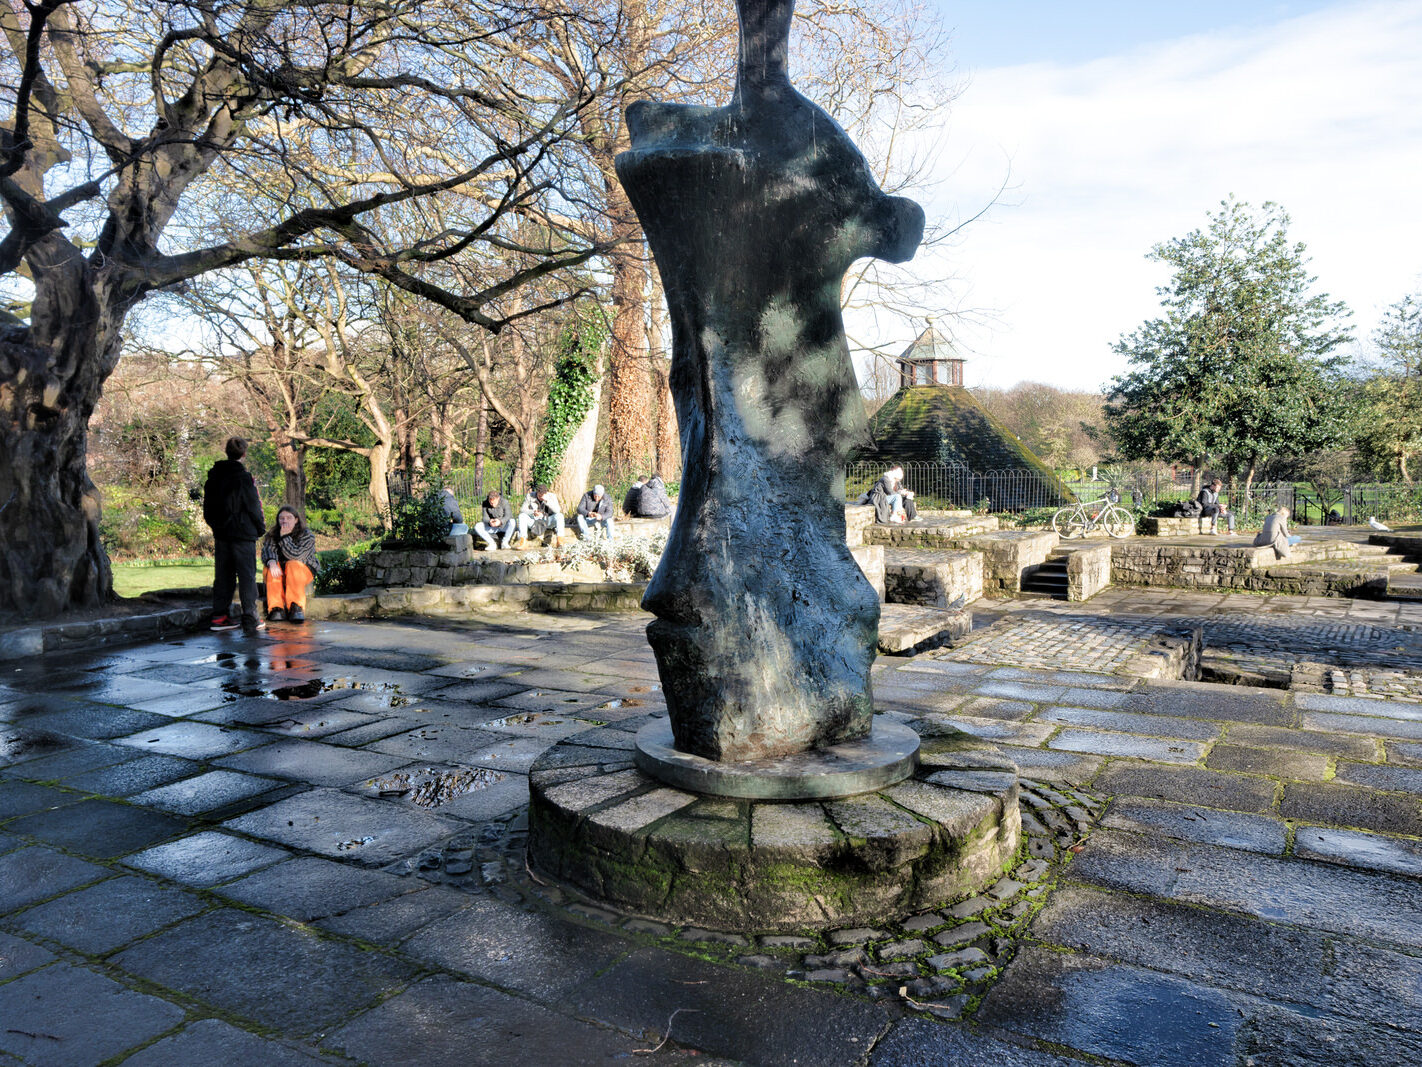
(606, 830)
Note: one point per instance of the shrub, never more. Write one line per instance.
(341, 571)
(418, 522)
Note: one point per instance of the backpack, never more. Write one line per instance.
(1191, 509)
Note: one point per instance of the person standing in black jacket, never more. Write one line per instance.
(232, 507)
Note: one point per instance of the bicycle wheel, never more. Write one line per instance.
(1070, 522)
(1117, 522)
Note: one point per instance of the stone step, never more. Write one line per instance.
(933, 579)
(906, 630)
(1404, 586)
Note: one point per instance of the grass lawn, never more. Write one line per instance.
(134, 579)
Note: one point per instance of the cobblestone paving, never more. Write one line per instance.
(307, 848)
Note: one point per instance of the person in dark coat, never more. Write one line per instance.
(1212, 509)
(233, 508)
(594, 510)
(889, 496)
(652, 501)
(497, 522)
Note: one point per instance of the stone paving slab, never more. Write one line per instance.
(131, 907)
(69, 1016)
(739, 1015)
(206, 859)
(264, 971)
(211, 1041)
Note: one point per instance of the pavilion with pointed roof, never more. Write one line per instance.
(933, 418)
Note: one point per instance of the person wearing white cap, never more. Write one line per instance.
(595, 509)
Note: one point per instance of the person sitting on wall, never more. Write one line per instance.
(652, 501)
(633, 497)
(595, 509)
(497, 523)
(543, 515)
(450, 504)
(892, 502)
(289, 559)
(1276, 533)
(1212, 509)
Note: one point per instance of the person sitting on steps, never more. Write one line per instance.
(594, 510)
(541, 513)
(892, 502)
(289, 558)
(652, 500)
(498, 521)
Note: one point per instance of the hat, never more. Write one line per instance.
(598, 490)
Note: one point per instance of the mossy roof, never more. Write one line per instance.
(945, 424)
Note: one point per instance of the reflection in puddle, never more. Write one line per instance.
(315, 687)
(429, 787)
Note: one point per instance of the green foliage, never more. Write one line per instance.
(146, 523)
(419, 522)
(570, 397)
(1240, 367)
(1027, 517)
(1390, 422)
(342, 570)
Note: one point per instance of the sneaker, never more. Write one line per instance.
(276, 615)
(223, 622)
(249, 625)
(296, 615)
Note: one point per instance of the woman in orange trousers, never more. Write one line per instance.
(289, 560)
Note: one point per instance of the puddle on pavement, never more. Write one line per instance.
(430, 787)
(529, 718)
(21, 744)
(314, 687)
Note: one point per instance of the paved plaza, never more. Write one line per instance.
(307, 847)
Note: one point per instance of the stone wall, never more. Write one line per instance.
(551, 597)
(930, 532)
(932, 579)
(1189, 566)
(871, 561)
(1088, 571)
(857, 519)
(459, 564)
(1007, 554)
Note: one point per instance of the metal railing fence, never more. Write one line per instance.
(943, 485)
(469, 490)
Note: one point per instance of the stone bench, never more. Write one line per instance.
(932, 579)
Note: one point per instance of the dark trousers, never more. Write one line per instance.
(234, 566)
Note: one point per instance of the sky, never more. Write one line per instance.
(1117, 126)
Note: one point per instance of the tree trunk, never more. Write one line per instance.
(291, 455)
(630, 403)
(51, 375)
(1197, 473)
(668, 438)
(481, 444)
(379, 458)
(572, 480)
(1402, 466)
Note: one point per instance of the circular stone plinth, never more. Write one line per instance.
(604, 828)
(888, 755)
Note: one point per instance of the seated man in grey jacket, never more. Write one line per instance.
(498, 521)
(594, 510)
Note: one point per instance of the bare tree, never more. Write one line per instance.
(123, 116)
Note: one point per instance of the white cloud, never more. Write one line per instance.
(1321, 113)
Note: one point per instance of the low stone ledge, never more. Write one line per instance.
(27, 641)
(930, 531)
(1173, 526)
(905, 630)
(871, 561)
(602, 827)
(550, 597)
(1008, 555)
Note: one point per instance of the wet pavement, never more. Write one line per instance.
(306, 847)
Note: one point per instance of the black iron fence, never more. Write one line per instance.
(469, 488)
(942, 485)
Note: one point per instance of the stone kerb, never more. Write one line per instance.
(601, 827)
(552, 597)
(1088, 571)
